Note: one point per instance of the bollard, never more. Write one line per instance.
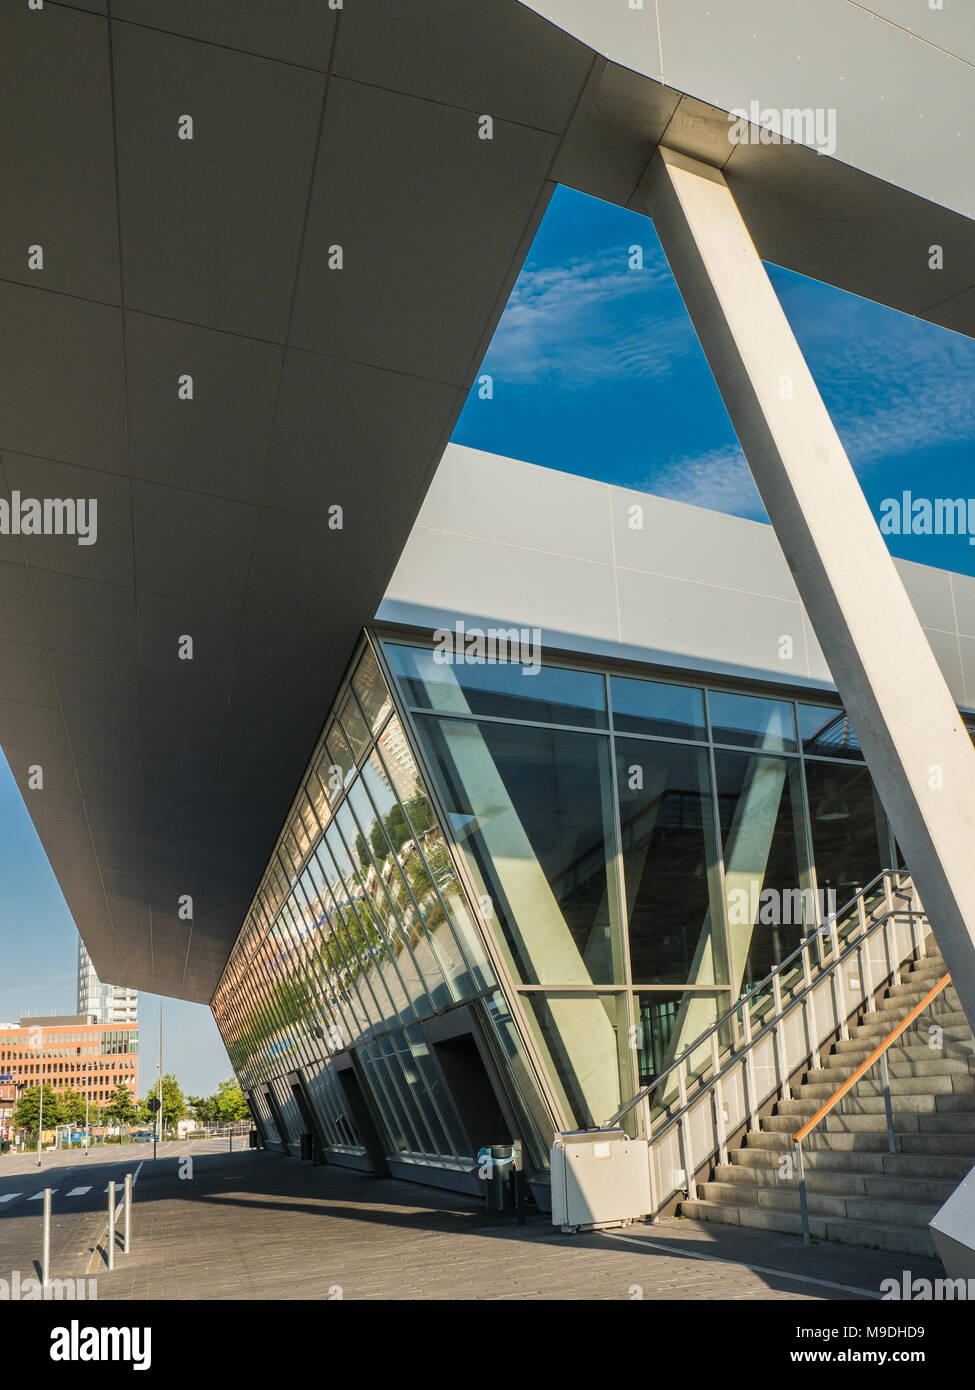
(46, 1240)
(127, 1215)
(111, 1225)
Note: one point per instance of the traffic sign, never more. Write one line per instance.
(153, 1104)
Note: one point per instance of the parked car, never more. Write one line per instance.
(143, 1136)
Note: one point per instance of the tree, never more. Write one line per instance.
(230, 1102)
(27, 1109)
(71, 1108)
(120, 1108)
(204, 1108)
(173, 1103)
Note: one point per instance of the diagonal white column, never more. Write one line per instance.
(912, 735)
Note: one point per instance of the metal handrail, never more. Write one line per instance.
(879, 1054)
(875, 1056)
(777, 973)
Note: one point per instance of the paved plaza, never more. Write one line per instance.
(210, 1224)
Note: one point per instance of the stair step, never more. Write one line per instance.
(959, 1083)
(933, 1191)
(907, 1240)
(848, 1121)
(780, 1141)
(945, 1167)
(933, 1064)
(850, 1207)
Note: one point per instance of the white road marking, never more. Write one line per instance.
(9, 1196)
(797, 1278)
(36, 1196)
(78, 1191)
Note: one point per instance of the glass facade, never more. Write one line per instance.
(589, 865)
(359, 935)
(643, 850)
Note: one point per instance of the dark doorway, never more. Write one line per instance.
(362, 1115)
(308, 1121)
(473, 1094)
(276, 1115)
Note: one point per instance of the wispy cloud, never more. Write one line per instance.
(588, 321)
(894, 384)
(718, 479)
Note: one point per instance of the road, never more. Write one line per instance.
(79, 1203)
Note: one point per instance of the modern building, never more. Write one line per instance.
(107, 1003)
(586, 782)
(248, 278)
(71, 1052)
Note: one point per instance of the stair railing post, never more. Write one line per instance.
(127, 1215)
(111, 1226)
(720, 1127)
(888, 1106)
(803, 1204)
(812, 1039)
(839, 992)
(863, 959)
(748, 1073)
(781, 1062)
(687, 1153)
(888, 894)
(46, 1240)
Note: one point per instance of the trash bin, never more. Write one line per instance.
(252, 1139)
(497, 1168)
(305, 1148)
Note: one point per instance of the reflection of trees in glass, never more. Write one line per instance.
(401, 861)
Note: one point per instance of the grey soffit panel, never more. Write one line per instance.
(208, 259)
(312, 386)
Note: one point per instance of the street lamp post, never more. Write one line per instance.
(40, 1112)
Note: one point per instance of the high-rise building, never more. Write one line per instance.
(108, 1003)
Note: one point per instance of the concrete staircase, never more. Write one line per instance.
(857, 1192)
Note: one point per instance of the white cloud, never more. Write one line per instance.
(718, 479)
(589, 321)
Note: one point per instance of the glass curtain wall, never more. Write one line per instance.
(643, 851)
(360, 931)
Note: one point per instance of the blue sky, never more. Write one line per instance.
(38, 966)
(597, 372)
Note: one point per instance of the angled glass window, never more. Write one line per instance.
(353, 726)
(371, 692)
(584, 1038)
(532, 809)
(670, 857)
(826, 732)
(546, 694)
(850, 835)
(768, 887)
(752, 721)
(653, 707)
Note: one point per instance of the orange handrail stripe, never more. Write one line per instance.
(865, 1066)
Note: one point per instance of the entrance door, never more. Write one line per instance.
(308, 1120)
(276, 1115)
(473, 1094)
(361, 1113)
